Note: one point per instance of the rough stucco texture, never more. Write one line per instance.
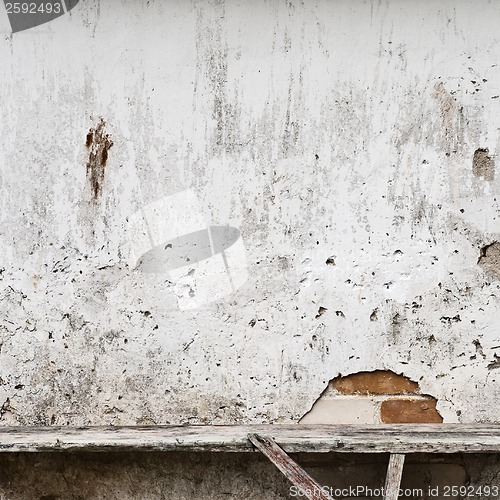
(338, 137)
(207, 476)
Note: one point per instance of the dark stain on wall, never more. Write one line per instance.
(90, 138)
(483, 165)
(495, 364)
(98, 143)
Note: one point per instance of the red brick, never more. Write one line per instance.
(376, 382)
(408, 411)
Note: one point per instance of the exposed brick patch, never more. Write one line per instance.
(408, 411)
(377, 397)
(376, 382)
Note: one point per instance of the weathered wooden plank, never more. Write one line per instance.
(393, 478)
(401, 438)
(308, 487)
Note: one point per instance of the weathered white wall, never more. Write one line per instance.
(322, 130)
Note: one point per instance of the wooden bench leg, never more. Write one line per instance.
(393, 478)
(292, 471)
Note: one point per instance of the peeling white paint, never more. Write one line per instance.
(312, 127)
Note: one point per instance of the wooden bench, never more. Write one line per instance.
(274, 441)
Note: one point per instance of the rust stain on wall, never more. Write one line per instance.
(98, 143)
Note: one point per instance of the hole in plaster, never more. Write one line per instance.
(322, 310)
(375, 397)
(489, 258)
(483, 165)
(495, 364)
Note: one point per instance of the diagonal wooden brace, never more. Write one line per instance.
(393, 478)
(292, 471)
